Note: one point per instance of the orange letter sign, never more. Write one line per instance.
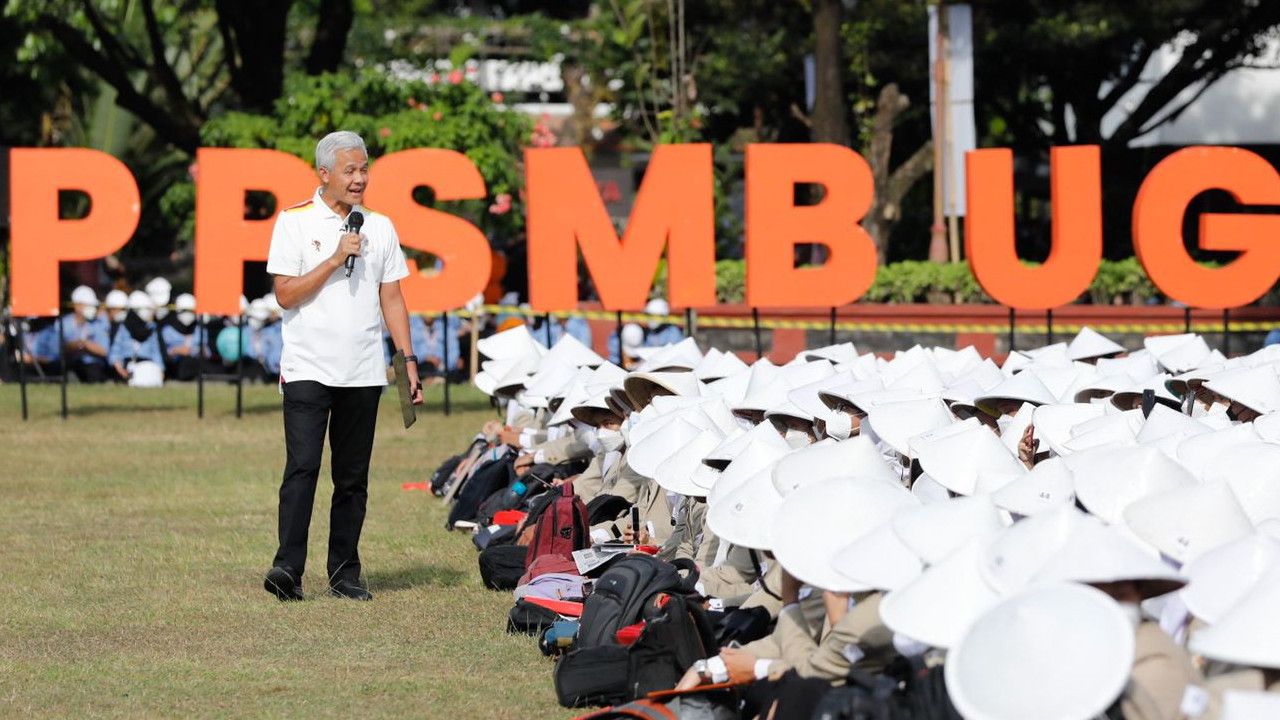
(41, 239)
(675, 207)
(461, 246)
(225, 240)
(1075, 186)
(1157, 227)
(775, 225)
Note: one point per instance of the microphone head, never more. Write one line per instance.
(355, 221)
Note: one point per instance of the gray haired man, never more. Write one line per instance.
(332, 368)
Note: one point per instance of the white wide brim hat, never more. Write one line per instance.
(878, 560)
(1221, 577)
(570, 351)
(642, 387)
(676, 474)
(511, 343)
(1253, 472)
(1065, 544)
(1060, 651)
(683, 355)
(818, 519)
(1257, 388)
(1247, 634)
(1185, 523)
(759, 454)
(1055, 422)
(1025, 387)
(744, 516)
(933, 532)
(1198, 453)
(1108, 480)
(838, 353)
(955, 454)
(1089, 344)
(855, 457)
(937, 607)
(897, 422)
(1048, 485)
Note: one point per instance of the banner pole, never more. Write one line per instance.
(475, 340)
(832, 335)
(1048, 319)
(689, 329)
(62, 362)
(240, 365)
(1012, 323)
(444, 360)
(546, 328)
(22, 367)
(755, 323)
(1186, 319)
(204, 330)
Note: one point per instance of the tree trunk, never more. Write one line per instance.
(253, 34)
(891, 186)
(829, 107)
(332, 27)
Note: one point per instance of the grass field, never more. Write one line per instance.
(135, 538)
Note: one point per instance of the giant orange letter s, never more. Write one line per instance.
(461, 247)
(1157, 227)
(775, 225)
(224, 238)
(674, 207)
(41, 239)
(1075, 187)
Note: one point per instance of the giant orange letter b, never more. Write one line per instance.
(775, 225)
(1075, 186)
(40, 239)
(1157, 227)
(674, 207)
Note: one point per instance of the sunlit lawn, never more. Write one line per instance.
(135, 537)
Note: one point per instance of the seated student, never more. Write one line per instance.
(116, 305)
(661, 333)
(136, 340)
(40, 346)
(85, 337)
(576, 327)
(263, 345)
(436, 342)
(632, 338)
(181, 337)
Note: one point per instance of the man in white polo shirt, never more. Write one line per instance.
(332, 368)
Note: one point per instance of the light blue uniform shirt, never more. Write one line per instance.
(173, 338)
(265, 345)
(124, 347)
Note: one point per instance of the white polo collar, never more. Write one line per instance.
(327, 211)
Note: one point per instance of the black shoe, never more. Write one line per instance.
(281, 583)
(350, 589)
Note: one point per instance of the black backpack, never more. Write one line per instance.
(907, 690)
(599, 671)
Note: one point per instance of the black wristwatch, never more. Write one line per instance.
(411, 358)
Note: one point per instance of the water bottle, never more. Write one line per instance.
(515, 495)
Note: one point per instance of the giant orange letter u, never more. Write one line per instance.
(1075, 186)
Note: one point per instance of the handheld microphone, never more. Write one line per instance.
(354, 222)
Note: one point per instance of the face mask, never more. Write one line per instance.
(118, 315)
(146, 314)
(186, 317)
(162, 311)
(1132, 613)
(255, 323)
(89, 312)
(796, 439)
(610, 440)
(839, 426)
(1198, 410)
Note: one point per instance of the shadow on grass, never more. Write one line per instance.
(87, 410)
(414, 576)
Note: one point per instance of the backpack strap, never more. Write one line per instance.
(755, 565)
(690, 579)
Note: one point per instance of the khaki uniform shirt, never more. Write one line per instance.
(1162, 670)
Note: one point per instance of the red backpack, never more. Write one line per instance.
(561, 529)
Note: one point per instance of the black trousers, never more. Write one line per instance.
(349, 414)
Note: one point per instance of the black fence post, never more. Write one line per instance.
(1048, 319)
(831, 337)
(204, 337)
(755, 323)
(22, 368)
(1226, 332)
(689, 329)
(617, 334)
(444, 360)
(240, 365)
(546, 327)
(1186, 319)
(1012, 326)
(62, 362)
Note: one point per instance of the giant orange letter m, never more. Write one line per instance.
(41, 238)
(675, 208)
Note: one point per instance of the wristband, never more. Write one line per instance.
(716, 666)
(762, 668)
(411, 358)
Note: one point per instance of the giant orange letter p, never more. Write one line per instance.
(1157, 227)
(224, 238)
(41, 239)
